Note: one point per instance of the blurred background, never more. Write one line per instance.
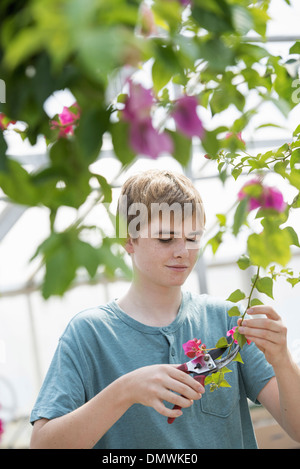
(30, 326)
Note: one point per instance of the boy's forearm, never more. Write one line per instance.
(82, 428)
(288, 380)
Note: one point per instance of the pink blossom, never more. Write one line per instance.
(265, 197)
(192, 348)
(148, 26)
(138, 104)
(67, 120)
(1, 429)
(231, 332)
(143, 137)
(186, 118)
(5, 122)
(146, 140)
(238, 135)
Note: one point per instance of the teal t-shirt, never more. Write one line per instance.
(100, 344)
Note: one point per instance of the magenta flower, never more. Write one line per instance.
(143, 137)
(186, 118)
(231, 332)
(192, 348)
(67, 120)
(146, 140)
(262, 196)
(1, 429)
(138, 104)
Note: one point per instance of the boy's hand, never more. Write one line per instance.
(268, 333)
(151, 385)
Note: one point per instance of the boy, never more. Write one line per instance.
(114, 380)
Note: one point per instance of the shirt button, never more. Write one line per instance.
(173, 352)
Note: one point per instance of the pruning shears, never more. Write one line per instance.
(205, 364)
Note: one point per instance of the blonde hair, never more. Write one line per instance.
(156, 186)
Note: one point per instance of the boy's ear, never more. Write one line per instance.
(129, 245)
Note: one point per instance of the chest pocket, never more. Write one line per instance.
(223, 401)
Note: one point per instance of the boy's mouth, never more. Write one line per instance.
(178, 268)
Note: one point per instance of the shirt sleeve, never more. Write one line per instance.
(63, 388)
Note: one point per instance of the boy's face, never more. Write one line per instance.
(166, 250)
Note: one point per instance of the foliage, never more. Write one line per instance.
(196, 49)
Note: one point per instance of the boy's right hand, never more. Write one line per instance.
(151, 385)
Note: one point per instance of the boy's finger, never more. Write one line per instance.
(263, 309)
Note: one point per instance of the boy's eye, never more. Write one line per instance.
(165, 240)
(168, 240)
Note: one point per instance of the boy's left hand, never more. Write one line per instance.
(268, 333)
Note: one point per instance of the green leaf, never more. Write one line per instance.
(216, 241)
(234, 311)
(119, 133)
(182, 148)
(87, 256)
(240, 216)
(240, 338)
(266, 248)
(241, 19)
(244, 262)
(236, 296)
(3, 148)
(224, 384)
(265, 285)
(293, 235)
(238, 358)
(105, 188)
(293, 281)
(255, 302)
(16, 184)
(93, 124)
(214, 16)
(295, 157)
(222, 342)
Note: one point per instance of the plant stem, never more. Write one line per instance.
(248, 305)
(251, 292)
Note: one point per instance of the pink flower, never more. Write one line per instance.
(148, 26)
(143, 137)
(262, 196)
(1, 429)
(231, 332)
(5, 122)
(237, 135)
(192, 348)
(146, 140)
(67, 120)
(186, 117)
(138, 103)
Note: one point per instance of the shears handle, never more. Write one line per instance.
(200, 379)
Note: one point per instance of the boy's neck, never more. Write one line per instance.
(157, 307)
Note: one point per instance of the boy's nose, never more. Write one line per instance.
(181, 249)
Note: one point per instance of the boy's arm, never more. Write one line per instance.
(149, 386)
(281, 395)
